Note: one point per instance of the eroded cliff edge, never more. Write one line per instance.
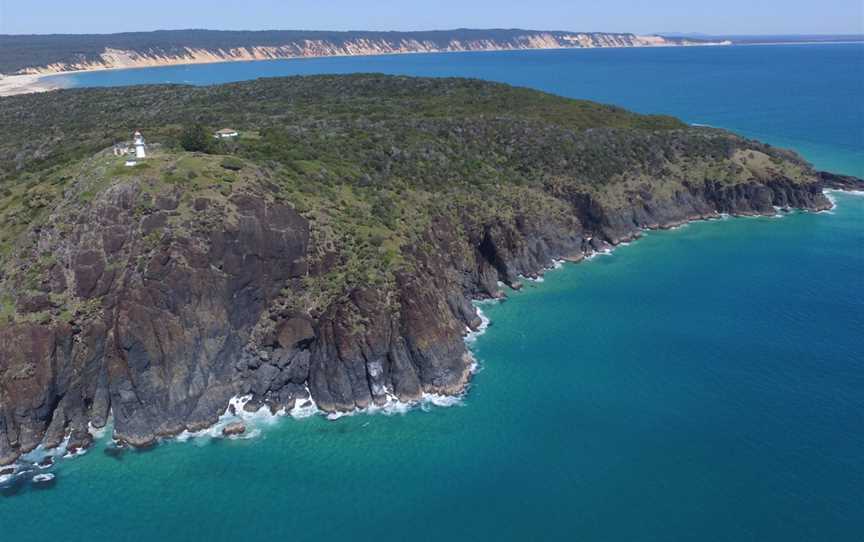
(42, 55)
(333, 250)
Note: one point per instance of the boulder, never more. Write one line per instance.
(236, 428)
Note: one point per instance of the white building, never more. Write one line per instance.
(226, 133)
(140, 145)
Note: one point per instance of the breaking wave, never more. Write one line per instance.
(481, 329)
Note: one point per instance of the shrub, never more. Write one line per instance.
(232, 163)
(196, 139)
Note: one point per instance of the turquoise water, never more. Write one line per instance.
(705, 383)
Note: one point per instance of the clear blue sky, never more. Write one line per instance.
(641, 16)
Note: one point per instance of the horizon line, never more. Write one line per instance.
(694, 34)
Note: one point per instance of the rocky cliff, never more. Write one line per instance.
(39, 55)
(331, 254)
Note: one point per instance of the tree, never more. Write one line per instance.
(195, 139)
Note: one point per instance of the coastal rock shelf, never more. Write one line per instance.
(330, 252)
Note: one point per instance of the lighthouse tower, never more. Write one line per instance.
(138, 140)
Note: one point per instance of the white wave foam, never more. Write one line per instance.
(33, 461)
(440, 401)
(235, 412)
(40, 453)
(779, 212)
(393, 406)
(856, 193)
(77, 453)
(829, 193)
(17, 470)
(481, 329)
(98, 433)
(305, 408)
(427, 401)
(598, 253)
(46, 477)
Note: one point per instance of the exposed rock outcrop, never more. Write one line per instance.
(234, 429)
(157, 297)
(169, 345)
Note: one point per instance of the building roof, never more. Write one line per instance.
(226, 131)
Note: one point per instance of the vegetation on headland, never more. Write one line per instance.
(328, 252)
(370, 160)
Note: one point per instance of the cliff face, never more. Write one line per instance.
(197, 47)
(169, 340)
(157, 294)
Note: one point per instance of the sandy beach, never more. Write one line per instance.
(11, 85)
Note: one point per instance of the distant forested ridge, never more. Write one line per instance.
(42, 54)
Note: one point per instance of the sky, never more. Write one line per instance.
(639, 16)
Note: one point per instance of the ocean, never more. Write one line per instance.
(705, 383)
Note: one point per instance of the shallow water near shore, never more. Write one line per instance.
(705, 383)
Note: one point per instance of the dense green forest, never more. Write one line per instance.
(374, 157)
(362, 111)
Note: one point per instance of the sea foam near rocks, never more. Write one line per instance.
(35, 460)
(831, 198)
(481, 329)
(236, 412)
(598, 253)
(99, 433)
(394, 406)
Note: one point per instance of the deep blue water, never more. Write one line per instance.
(703, 384)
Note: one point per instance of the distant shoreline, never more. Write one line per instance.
(13, 85)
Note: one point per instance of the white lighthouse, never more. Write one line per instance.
(138, 140)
